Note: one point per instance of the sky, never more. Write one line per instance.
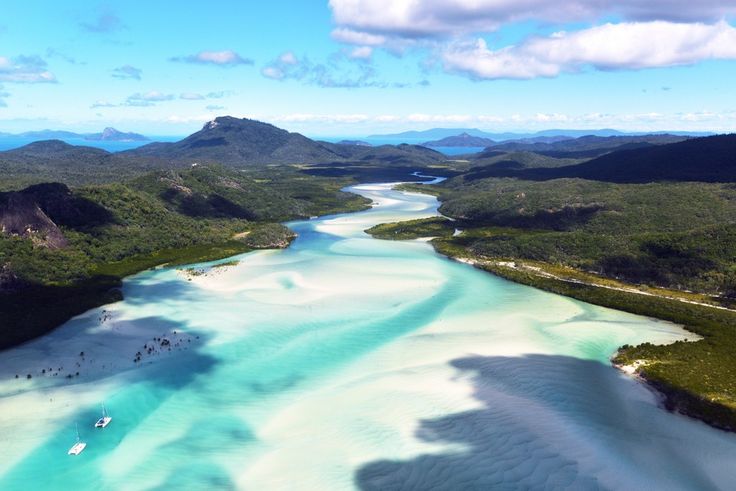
(361, 67)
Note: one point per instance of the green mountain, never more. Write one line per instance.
(588, 146)
(708, 159)
(236, 142)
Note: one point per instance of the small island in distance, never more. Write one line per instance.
(109, 134)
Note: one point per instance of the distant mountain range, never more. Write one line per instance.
(108, 134)
(236, 142)
(439, 133)
(240, 143)
(227, 141)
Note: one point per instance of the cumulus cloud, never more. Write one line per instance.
(361, 53)
(644, 121)
(127, 72)
(633, 45)
(358, 20)
(224, 58)
(349, 36)
(337, 73)
(104, 23)
(25, 69)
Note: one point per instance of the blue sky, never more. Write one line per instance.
(356, 67)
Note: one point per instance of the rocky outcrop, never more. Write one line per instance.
(21, 216)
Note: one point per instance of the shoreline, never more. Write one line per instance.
(700, 319)
(673, 398)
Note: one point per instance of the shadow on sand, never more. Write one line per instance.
(553, 422)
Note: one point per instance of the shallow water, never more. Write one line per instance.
(347, 362)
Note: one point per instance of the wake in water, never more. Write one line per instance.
(347, 362)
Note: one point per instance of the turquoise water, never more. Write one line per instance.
(346, 362)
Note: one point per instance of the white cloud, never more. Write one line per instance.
(321, 118)
(218, 58)
(349, 36)
(25, 69)
(288, 58)
(361, 53)
(272, 72)
(432, 18)
(634, 45)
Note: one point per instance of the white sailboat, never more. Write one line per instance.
(104, 420)
(77, 447)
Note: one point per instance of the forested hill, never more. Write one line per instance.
(708, 159)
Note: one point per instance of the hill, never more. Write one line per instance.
(707, 159)
(461, 140)
(111, 134)
(55, 160)
(587, 146)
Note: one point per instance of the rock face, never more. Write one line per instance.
(37, 212)
(21, 216)
(111, 134)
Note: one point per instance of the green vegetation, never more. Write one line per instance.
(113, 230)
(623, 231)
(696, 378)
(585, 239)
(413, 229)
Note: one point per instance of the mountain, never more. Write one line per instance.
(707, 159)
(439, 133)
(108, 134)
(582, 147)
(461, 140)
(232, 141)
(111, 134)
(432, 134)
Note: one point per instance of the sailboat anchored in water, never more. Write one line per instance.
(77, 447)
(104, 420)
